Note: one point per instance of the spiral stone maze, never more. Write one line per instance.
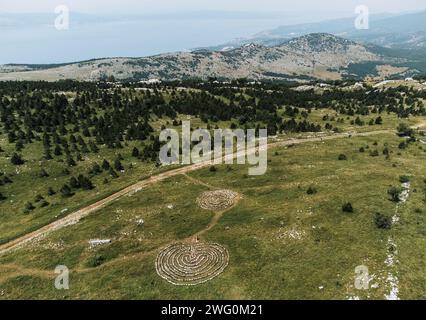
(191, 263)
(217, 200)
(197, 262)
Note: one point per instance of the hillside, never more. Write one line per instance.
(407, 31)
(313, 56)
(81, 187)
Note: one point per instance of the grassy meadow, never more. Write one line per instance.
(283, 242)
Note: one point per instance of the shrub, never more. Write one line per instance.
(43, 174)
(95, 261)
(96, 169)
(212, 169)
(6, 180)
(311, 190)
(347, 207)
(66, 191)
(374, 153)
(17, 159)
(113, 173)
(28, 207)
(404, 179)
(404, 130)
(342, 157)
(382, 221)
(395, 192)
(44, 203)
(402, 145)
(378, 120)
(38, 198)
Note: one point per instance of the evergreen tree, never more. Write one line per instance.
(135, 152)
(74, 183)
(85, 182)
(43, 174)
(105, 165)
(113, 173)
(70, 161)
(66, 191)
(117, 165)
(17, 159)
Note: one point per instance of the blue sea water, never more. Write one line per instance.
(39, 42)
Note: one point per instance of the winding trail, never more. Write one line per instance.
(76, 216)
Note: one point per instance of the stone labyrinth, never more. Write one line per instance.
(191, 263)
(217, 200)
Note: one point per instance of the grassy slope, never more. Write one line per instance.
(27, 183)
(262, 264)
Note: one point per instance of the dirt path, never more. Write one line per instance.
(12, 270)
(75, 217)
(198, 181)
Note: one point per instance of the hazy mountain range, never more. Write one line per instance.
(391, 31)
(394, 46)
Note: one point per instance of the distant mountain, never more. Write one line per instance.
(393, 31)
(313, 56)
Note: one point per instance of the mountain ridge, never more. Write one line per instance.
(312, 56)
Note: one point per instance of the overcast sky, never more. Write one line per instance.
(146, 6)
(187, 24)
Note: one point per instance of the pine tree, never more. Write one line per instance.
(135, 152)
(17, 159)
(43, 174)
(70, 161)
(117, 165)
(113, 173)
(28, 207)
(74, 183)
(66, 191)
(85, 183)
(57, 151)
(106, 165)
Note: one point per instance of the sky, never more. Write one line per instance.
(147, 6)
(107, 29)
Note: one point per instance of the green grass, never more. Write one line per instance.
(265, 262)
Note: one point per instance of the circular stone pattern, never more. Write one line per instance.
(217, 200)
(191, 263)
